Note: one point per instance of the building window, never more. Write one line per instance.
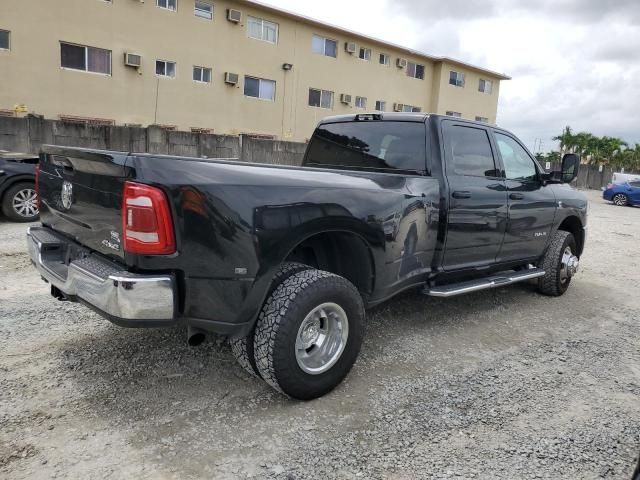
(411, 109)
(456, 79)
(381, 106)
(165, 68)
(86, 59)
(361, 102)
(415, 70)
(485, 86)
(203, 10)
(320, 98)
(385, 59)
(260, 88)
(482, 119)
(202, 74)
(168, 4)
(454, 114)
(5, 40)
(262, 30)
(324, 46)
(365, 54)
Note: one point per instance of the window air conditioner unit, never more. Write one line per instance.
(234, 16)
(231, 78)
(398, 107)
(133, 60)
(346, 98)
(402, 63)
(350, 47)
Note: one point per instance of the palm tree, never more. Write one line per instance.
(581, 142)
(566, 139)
(605, 150)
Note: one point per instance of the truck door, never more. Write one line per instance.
(477, 214)
(532, 205)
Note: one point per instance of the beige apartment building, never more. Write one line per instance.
(221, 66)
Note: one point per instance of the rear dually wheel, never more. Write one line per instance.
(309, 334)
(242, 348)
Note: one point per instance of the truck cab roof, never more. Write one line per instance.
(395, 117)
(373, 116)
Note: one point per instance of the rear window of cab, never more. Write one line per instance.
(393, 147)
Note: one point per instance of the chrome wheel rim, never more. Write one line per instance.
(568, 266)
(25, 203)
(321, 339)
(620, 200)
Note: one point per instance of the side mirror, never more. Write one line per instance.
(570, 166)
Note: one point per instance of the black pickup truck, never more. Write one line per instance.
(285, 260)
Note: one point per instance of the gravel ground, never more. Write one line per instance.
(505, 384)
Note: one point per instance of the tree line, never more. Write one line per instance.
(594, 150)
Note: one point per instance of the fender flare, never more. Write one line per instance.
(297, 236)
(577, 229)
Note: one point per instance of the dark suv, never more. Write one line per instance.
(18, 186)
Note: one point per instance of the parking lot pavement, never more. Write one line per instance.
(499, 384)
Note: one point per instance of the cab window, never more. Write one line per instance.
(468, 152)
(518, 165)
(394, 147)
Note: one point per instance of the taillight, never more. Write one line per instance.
(609, 186)
(37, 174)
(146, 221)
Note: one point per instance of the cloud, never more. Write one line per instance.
(589, 11)
(573, 62)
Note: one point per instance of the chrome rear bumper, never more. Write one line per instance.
(122, 296)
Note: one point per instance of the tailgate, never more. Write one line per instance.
(81, 196)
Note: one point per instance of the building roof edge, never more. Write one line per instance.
(313, 21)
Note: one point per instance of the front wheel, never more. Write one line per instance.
(309, 334)
(560, 264)
(20, 203)
(620, 200)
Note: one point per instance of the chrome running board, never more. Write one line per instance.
(495, 281)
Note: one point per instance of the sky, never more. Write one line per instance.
(573, 62)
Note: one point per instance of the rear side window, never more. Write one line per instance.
(635, 184)
(468, 152)
(384, 146)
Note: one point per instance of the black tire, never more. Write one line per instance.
(552, 284)
(242, 348)
(620, 199)
(279, 324)
(10, 203)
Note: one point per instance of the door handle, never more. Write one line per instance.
(461, 195)
(516, 196)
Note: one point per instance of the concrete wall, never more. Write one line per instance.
(30, 133)
(272, 151)
(32, 74)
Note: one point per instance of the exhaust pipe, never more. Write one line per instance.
(195, 336)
